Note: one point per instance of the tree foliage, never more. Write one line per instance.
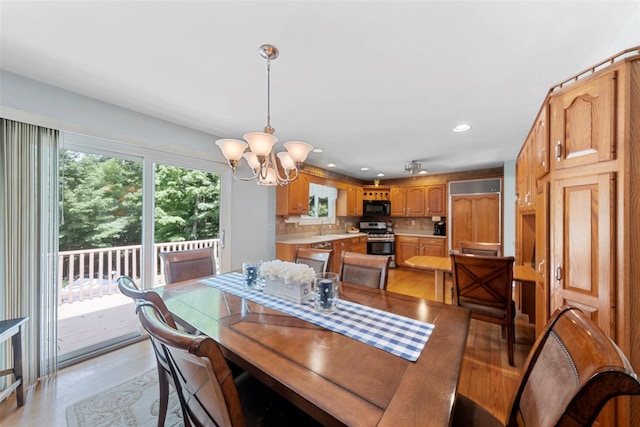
(102, 202)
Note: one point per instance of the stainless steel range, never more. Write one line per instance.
(380, 239)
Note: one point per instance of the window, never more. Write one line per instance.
(322, 204)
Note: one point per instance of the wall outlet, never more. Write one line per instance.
(413, 222)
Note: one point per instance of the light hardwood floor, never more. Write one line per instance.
(486, 374)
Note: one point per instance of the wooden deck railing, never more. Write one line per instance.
(92, 273)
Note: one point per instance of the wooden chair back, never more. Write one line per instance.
(573, 369)
(363, 269)
(128, 287)
(483, 284)
(187, 265)
(481, 248)
(204, 382)
(318, 259)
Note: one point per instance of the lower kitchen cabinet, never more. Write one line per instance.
(408, 246)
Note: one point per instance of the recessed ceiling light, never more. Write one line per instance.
(462, 128)
(331, 165)
(380, 174)
(364, 169)
(318, 150)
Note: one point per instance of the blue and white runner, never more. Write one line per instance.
(390, 332)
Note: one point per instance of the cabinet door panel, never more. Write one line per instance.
(582, 123)
(583, 253)
(435, 196)
(462, 228)
(487, 218)
(541, 253)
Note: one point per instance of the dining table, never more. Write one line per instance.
(442, 265)
(355, 374)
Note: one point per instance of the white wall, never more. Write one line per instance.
(249, 223)
(509, 206)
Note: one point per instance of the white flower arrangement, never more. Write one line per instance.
(288, 271)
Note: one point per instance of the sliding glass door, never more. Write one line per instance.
(120, 206)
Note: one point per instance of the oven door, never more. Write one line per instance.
(381, 248)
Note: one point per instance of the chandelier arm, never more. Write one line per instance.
(239, 178)
(279, 178)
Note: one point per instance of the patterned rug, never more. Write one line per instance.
(131, 404)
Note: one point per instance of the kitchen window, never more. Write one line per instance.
(322, 204)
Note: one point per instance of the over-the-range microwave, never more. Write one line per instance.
(376, 207)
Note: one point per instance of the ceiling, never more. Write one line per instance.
(374, 83)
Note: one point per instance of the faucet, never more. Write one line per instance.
(323, 230)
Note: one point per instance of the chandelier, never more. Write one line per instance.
(260, 157)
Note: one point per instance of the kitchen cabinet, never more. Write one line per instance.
(287, 252)
(540, 144)
(293, 199)
(586, 229)
(407, 201)
(432, 246)
(355, 195)
(475, 218)
(582, 122)
(436, 200)
(406, 247)
(339, 246)
(359, 244)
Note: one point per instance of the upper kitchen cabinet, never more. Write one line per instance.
(436, 200)
(355, 195)
(293, 199)
(582, 122)
(407, 201)
(540, 143)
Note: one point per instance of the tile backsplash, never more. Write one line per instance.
(422, 225)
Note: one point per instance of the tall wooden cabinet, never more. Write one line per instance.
(586, 206)
(475, 218)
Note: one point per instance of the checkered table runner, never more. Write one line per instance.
(390, 332)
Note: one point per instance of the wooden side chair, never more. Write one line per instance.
(363, 269)
(208, 392)
(189, 264)
(128, 287)
(481, 248)
(572, 371)
(483, 284)
(318, 259)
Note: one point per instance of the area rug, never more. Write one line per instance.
(134, 403)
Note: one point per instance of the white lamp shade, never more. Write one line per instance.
(286, 161)
(232, 149)
(252, 159)
(271, 178)
(298, 150)
(260, 142)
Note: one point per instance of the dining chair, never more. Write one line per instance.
(128, 287)
(481, 248)
(573, 369)
(483, 284)
(318, 259)
(364, 269)
(208, 392)
(188, 264)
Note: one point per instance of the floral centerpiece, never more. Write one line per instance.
(288, 280)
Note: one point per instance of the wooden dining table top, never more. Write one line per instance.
(522, 273)
(336, 379)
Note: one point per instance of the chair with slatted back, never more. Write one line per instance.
(189, 264)
(128, 287)
(481, 248)
(572, 371)
(318, 259)
(208, 392)
(483, 284)
(364, 269)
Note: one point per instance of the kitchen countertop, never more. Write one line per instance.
(417, 234)
(305, 240)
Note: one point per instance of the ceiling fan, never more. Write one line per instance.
(413, 167)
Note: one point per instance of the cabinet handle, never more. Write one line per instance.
(540, 265)
(559, 150)
(558, 273)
